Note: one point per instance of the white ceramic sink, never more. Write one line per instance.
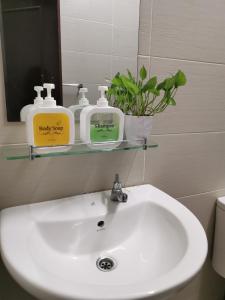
(51, 248)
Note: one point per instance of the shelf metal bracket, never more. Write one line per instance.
(31, 153)
(145, 147)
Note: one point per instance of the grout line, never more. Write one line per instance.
(138, 49)
(137, 68)
(189, 60)
(199, 194)
(144, 167)
(189, 133)
(151, 27)
(143, 56)
(112, 39)
(85, 20)
(65, 51)
(97, 54)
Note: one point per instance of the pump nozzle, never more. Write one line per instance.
(49, 87)
(102, 89)
(49, 100)
(102, 101)
(83, 91)
(38, 89)
(83, 100)
(38, 100)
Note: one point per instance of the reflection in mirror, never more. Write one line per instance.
(31, 50)
(98, 39)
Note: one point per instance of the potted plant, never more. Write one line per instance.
(140, 99)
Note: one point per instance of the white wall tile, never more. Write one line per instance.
(121, 64)
(144, 43)
(191, 30)
(77, 9)
(92, 10)
(101, 11)
(187, 164)
(200, 104)
(85, 36)
(126, 13)
(83, 67)
(145, 15)
(145, 27)
(125, 42)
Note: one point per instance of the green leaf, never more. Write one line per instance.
(150, 84)
(169, 83)
(143, 73)
(171, 101)
(180, 79)
(130, 86)
(131, 77)
(155, 92)
(161, 85)
(117, 81)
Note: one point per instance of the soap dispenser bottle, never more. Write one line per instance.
(101, 125)
(76, 110)
(49, 124)
(37, 101)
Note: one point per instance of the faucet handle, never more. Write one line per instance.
(117, 185)
(117, 178)
(117, 192)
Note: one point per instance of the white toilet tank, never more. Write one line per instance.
(218, 260)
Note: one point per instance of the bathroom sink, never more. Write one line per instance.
(88, 247)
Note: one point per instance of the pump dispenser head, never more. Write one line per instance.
(102, 101)
(49, 100)
(83, 100)
(38, 99)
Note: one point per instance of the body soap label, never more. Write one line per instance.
(104, 127)
(51, 129)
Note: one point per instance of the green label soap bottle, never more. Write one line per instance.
(101, 124)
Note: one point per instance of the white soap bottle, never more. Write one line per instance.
(37, 101)
(101, 125)
(76, 110)
(49, 125)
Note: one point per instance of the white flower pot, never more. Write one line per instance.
(137, 129)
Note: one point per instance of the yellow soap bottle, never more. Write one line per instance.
(50, 125)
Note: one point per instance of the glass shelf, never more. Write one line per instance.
(24, 151)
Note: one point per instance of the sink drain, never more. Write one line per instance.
(106, 264)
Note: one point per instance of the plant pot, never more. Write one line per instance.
(137, 129)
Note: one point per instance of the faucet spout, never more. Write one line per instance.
(117, 193)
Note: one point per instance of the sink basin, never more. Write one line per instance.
(88, 247)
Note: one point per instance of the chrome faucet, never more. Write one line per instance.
(117, 194)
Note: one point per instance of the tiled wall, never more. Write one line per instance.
(190, 161)
(99, 38)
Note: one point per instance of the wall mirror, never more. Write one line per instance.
(65, 42)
